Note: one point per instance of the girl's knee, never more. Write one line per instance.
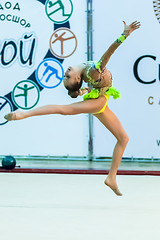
(124, 139)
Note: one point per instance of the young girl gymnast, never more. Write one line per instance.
(95, 101)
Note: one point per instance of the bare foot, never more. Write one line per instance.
(113, 186)
(16, 115)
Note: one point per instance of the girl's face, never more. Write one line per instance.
(71, 76)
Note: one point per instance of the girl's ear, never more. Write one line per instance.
(78, 78)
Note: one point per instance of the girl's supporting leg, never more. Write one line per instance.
(88, 106)
(112, 123)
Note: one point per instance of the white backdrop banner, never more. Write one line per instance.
(38, 40)
(136, 73)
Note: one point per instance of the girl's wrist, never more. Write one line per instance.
(80, 92)
(121, 38)
(126, 33)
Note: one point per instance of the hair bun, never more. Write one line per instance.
(73, 94)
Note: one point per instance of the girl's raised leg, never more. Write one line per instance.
(89, 106)
(112, 123)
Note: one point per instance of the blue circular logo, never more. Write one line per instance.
(49, 73)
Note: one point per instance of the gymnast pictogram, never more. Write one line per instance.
(25, 90)
(2, 105)
(61, 7)
(62, 40)
(5, 104)
(52, 70)
(63, 43)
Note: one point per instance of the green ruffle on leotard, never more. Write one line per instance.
(94, 93)
(112, 91)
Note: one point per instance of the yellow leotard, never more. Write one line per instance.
(95, 93)
(102, 110)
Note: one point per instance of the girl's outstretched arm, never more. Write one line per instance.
(128, 29)
(88, 106)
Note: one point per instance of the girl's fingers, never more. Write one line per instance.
(124, 23)
(136, 24)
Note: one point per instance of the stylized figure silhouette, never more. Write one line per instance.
(25, 92)
(2, 105)
(61, 39)
(61, 7)
(52, 70)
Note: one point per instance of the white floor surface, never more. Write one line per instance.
(78, 207)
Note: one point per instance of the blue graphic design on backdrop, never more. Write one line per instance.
(50, 73)
(23, 60)
(5, 107)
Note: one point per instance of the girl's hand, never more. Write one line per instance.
(83, 91)
(87, 89)
(128, 29)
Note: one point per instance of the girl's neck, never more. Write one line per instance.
(84, 69)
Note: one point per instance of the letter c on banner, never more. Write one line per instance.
(135, 69)
(149, 100)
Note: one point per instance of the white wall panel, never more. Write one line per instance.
(139, 118)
